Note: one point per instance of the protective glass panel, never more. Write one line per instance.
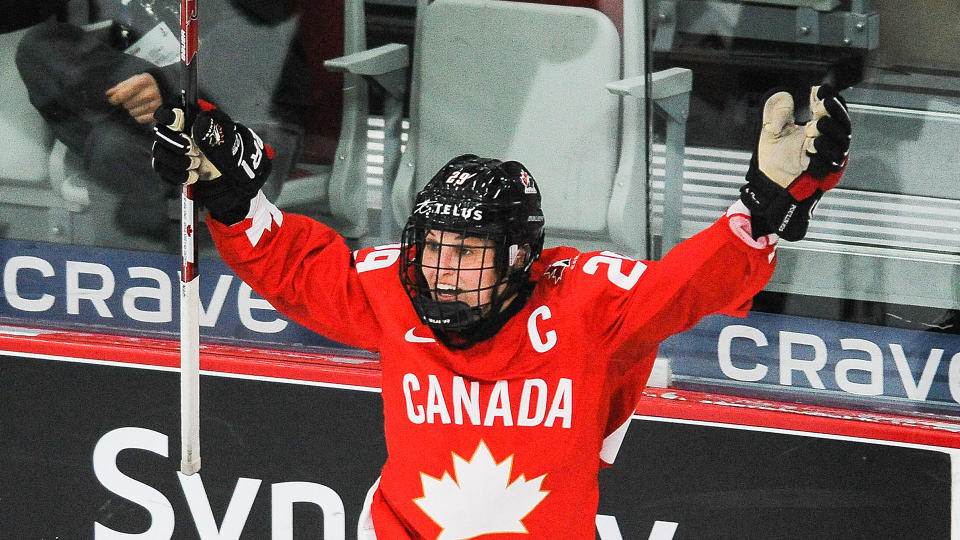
(89, 235)
(863, 311)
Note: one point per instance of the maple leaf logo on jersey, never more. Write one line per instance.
(479, 499)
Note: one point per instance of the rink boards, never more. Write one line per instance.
(90, 448)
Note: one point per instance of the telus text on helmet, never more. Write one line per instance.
(431, 207)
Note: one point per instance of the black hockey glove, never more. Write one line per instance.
(795, 164)
(229, 160)
(174, 155)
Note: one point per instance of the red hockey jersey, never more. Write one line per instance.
(505, 438)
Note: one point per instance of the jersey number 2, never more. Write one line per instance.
(614, 263)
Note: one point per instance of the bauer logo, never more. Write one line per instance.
(128, 290)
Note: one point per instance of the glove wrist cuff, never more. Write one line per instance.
(230, 215)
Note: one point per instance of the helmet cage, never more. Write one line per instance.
(458, 301)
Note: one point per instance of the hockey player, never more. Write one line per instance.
(510, 371)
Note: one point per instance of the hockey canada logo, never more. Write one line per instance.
(554, 272)
(213, 135)
(479, 487)
(529, 186)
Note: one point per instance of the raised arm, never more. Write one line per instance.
(302, 267)
(720, 269)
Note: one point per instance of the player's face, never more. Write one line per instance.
(459, 268)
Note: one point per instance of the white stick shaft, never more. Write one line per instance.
(190, 376)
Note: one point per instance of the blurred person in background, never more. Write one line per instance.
(99, 81)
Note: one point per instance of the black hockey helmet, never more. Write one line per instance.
(473, 197)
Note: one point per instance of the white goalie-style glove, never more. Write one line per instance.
(795, 164)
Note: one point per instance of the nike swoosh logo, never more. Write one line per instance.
(413, 338)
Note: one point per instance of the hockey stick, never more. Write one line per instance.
(189, 280)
